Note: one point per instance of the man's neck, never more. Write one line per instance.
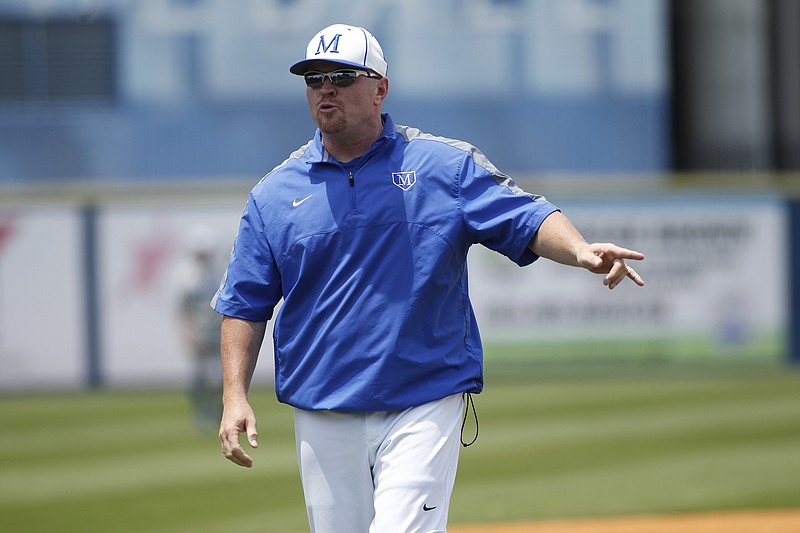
(345, 148)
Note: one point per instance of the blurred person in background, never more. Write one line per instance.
(363, 233)
(198, 280)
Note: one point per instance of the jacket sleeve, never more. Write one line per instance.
(251, 286)
(498, 213)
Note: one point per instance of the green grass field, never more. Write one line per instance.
(554, 445)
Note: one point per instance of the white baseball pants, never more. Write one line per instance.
(386, 472)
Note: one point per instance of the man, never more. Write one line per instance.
(198, 278)
(363, 233)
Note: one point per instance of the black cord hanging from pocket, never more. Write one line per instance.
(469, 404)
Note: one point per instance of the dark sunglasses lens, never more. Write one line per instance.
(340, 78)
(314, 80)
(343, 78)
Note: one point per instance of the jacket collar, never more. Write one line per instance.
(320, 155)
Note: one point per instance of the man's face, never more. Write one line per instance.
(339, 109)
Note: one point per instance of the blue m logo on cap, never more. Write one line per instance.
(332, 47)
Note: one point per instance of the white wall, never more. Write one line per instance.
(716, 270)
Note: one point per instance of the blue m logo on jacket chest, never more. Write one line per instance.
(404, 180)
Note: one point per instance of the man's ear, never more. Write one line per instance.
(382, 90)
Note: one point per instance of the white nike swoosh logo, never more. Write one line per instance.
(295, 203)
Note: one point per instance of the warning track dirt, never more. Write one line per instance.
(768, 521)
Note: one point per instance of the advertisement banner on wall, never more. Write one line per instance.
(716, 285)
(149, 260)
(42, 319)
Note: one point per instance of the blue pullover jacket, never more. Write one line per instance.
(370, 260)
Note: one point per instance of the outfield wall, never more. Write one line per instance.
(89, 281)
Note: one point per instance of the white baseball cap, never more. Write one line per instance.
(352, 46)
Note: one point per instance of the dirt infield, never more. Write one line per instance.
(773, 521)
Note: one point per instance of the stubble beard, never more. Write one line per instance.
(332, 124)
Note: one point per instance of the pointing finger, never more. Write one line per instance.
(619, 272)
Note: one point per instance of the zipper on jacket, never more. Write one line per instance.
(352, 180)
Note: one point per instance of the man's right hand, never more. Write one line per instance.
(238, 418)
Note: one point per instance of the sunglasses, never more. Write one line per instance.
(340, 78)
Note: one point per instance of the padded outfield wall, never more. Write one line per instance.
(89, 281)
